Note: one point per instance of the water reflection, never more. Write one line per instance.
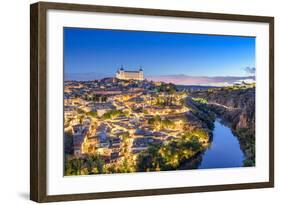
(224, 151)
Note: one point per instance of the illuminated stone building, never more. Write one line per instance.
(129, 74)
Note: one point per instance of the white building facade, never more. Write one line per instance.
(129, 75)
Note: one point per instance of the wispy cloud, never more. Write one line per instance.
(250, 70)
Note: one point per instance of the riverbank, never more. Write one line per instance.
(236, 108)
(224, 151)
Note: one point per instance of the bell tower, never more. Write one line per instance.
(141, 76)
(120, 73)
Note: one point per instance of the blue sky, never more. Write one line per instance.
(103, 51)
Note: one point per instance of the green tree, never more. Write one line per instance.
(90, 164)
(100, 165)
(92, 114)
(76, 166)
(67, 166)
(81, 118)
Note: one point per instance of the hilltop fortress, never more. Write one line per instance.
(129, 74)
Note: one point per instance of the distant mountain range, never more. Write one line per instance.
(200, 80)
(86, 76)
(175, 79)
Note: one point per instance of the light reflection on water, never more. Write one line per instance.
(224, 150)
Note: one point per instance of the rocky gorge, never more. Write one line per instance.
(236, 107)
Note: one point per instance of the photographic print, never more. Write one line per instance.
(143, 101)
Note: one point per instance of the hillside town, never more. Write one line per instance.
(116, 119)
(127, 124)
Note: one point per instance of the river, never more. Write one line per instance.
(224, 150)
